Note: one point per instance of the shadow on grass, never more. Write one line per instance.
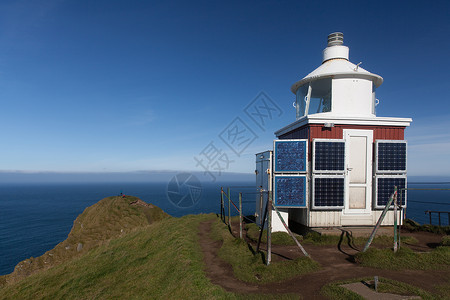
(433, 245)
(350, 243)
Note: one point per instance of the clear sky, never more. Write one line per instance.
(111, 86)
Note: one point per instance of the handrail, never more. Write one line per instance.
(430, 212)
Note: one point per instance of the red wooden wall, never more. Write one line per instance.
(318, 131)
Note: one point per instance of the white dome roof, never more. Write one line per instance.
(338, 67)
(335, 63)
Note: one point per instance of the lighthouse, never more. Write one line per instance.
(337, 163)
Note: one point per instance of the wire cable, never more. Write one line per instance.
(429, 202)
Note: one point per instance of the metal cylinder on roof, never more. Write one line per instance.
(335, 39)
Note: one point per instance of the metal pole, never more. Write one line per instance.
(395, 221)
(229, 208)
(261, 206)
(262, 227)
(221, 204)
(383, 214)
(402, 217)
(290, 232)
(269, 228)
(400, 223)
(240, 215)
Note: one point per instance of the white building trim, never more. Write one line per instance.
(344, 120)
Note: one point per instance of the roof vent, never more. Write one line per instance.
(335, 39)
(335, 48)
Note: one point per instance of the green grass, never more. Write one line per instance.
(278, 238)
(158, 261)
(316, 238)
(109, 218)
(412, 225)
(444, 290)
(336, 291)
(251, 267)
(162, 260)
(405, 258)
(400, 288)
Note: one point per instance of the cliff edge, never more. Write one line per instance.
(109, 218)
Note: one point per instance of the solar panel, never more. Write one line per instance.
(385, 188)
(328, 156)
(290, 191)
(390, 156)
(328, 192)
(290, 155)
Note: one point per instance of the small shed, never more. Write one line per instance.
(337, 163)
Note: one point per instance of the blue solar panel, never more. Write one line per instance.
(385, 188)
(290, 191)
(391, 156)
(328, 192)
(329, 156)
(290, 155)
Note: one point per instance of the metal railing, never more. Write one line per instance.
(226, 203)
(265, 221)
(430, 212)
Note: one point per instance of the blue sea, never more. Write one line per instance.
(34, 218)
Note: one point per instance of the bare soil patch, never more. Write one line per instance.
(336, 261)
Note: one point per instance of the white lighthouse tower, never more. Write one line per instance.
(353, 158)
(338, 88)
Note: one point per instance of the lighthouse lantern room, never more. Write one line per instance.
(337, 163)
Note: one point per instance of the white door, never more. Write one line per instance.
(358, 171)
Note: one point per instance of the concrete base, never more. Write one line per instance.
(277, 225)
(368, 293)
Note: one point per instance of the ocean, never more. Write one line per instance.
(34, 218)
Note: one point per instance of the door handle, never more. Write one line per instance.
(348, 170)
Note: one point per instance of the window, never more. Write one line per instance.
(314, 97)
(320, 99)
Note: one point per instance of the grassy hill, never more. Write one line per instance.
(130, 250)
(109, 218)
(135, 265)
(133, 250)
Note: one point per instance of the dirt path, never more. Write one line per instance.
(336, 265)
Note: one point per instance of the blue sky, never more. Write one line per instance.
(112, 86)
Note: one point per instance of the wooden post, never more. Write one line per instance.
(383, 214)
(269, 228)
(395, 221)
(240, 215)
(229, 208)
